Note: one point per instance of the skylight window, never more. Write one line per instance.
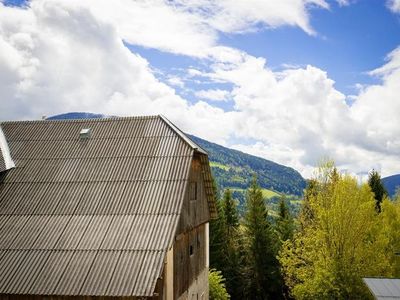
(85, 133)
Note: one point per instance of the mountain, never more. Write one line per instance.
(234, 169)
(76, 115)
(391, 183)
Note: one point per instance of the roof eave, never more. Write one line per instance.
(192, 144)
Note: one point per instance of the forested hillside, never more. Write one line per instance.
(391, 183)
(234, 169)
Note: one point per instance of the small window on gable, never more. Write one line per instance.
(191, 250)
(193, 190)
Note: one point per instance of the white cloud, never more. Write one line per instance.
(247, 15)
(213, 95)
(394, 5)
(191, 27)
(343, 2)
(176, 81)
(59, 56)
(298, 117)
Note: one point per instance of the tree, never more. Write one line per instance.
(218, 234)
(375, 183)
(230, 211)
(390, 229)
(342, 243)
(217, 285)
(225, 244)
(232, 269)
(262, 265)
(284, 223)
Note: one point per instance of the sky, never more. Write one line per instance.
(292, 81)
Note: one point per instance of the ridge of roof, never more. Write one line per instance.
(183, 135)
(179, 132)
(5, 152)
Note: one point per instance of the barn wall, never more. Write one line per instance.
(194, 212)
(190, 265)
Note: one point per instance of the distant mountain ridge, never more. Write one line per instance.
(234, 169)
(391, 184)
(77, 115)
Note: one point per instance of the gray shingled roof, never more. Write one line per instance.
(6, 161)
(94, 216)
(2, 162)
(384, 288)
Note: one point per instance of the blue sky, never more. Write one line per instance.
(292, 81)
(351, 41)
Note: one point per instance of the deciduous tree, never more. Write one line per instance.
(343, 243)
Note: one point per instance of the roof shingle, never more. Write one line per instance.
(93, 216)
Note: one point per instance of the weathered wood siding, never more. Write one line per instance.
(190, 248)
(189, 263)
(194, 212)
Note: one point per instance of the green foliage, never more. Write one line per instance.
(390, 230)
(218, 235)
(376, 185)
(341, 240)
(284, 224)
(262, 270)
(230, 211)
(232, 248)
(217, 286)
(225, 244)
(234, 169)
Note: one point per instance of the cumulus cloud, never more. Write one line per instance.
(191, 27)
(297, 116)
(394, 5)
(59, 55)
(213, 95)
(247, 15)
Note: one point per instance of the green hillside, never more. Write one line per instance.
(234, 169)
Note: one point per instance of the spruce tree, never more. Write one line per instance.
(375, 183)
(230, 211)
(232, 270)
(284, 223)
(218, 234)
(262, 268)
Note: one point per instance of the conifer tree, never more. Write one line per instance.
(262, 266)
(284, 223)
(230, 211)
(232, 269)
(375, 183)
(218, 234)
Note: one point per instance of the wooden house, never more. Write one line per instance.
(102, 208)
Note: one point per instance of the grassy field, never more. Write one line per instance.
(266, 193)
(218, 165)
(269, 194)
